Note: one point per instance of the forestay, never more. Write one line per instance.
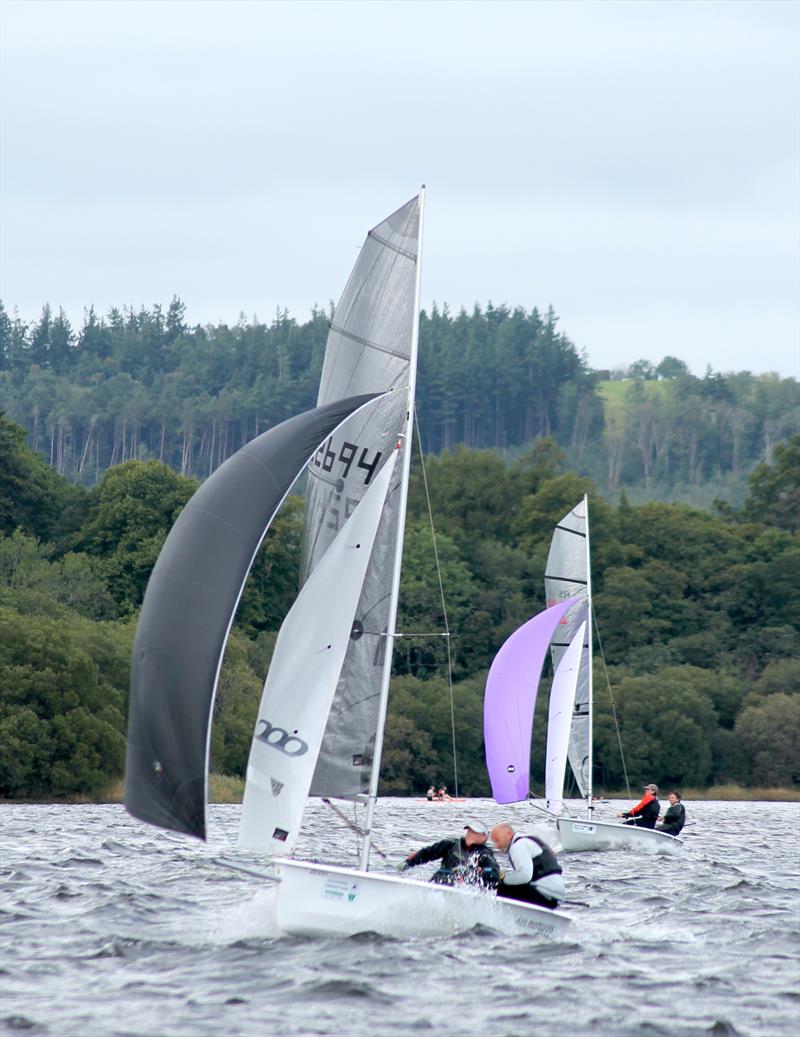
(368, 350)
(567, 576)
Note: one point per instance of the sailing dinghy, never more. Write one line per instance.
(568, 576)
(320, 724)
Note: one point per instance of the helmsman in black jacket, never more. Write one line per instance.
(464, 859)
(645, 813)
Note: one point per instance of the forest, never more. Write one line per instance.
(143, 385)
(697, 609)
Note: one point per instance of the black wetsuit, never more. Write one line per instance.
(674, 820)
(474, 865)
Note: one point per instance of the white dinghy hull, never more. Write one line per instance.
(576, 835)
(322, 900)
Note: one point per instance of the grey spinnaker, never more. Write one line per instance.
(188, 609)
(368, 350)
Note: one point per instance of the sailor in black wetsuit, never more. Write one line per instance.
(675, 817)
(466, 859)
(645, 813)
(536, 873)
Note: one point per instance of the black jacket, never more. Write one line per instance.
(475, 865)
(674, 819)
(644, 816)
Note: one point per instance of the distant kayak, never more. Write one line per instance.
(450, 799)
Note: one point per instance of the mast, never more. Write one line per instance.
(404, 444)
(589, 617)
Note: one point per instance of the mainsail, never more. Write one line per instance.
(559, 720)
(567, 576)
(187, 613)
(510, 701)
(368, 350)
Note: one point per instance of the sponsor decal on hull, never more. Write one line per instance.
(341, 888)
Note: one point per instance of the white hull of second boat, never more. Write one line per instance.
(578, 835)
(321, 900)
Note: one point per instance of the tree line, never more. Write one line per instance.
(698, 613)
(144, 385)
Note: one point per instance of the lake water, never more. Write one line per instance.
(111, 928)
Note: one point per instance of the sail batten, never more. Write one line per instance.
(390, 244)
(569, 530)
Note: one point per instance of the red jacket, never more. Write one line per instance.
(648, 797)
(646, 810)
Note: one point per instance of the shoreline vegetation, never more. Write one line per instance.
(224, 788)
(708, 653)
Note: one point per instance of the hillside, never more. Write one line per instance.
(143, 385)
(699, 615)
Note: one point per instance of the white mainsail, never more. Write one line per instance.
(302, 679)
(559, 722)
(567, 575)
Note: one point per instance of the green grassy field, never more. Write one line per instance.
(615, 399)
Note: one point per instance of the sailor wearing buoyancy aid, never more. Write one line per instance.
(536, 876)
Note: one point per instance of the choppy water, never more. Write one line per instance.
(114, 928)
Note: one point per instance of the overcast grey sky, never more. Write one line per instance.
(634, 164)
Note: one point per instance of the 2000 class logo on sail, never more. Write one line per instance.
(281, 739)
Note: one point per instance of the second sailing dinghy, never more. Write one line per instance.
(319, 730)
(568, 576)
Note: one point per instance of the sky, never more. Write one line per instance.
(634, 165)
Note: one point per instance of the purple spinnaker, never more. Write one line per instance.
(510, 700)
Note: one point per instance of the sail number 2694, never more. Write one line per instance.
(327, 456)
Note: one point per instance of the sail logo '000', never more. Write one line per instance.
(279, 738)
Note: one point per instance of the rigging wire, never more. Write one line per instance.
(353, 826)
(441, 594)
(613, 707)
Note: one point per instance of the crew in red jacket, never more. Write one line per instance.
(645, 813)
